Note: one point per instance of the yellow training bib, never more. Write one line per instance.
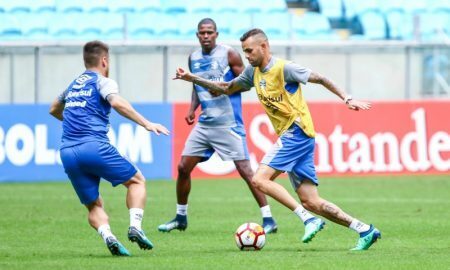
(282, 107)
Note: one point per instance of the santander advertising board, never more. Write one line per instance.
(391, 138)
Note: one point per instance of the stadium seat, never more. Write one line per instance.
(432, 26)
(391, 6)
(200, 6)
(224, 23)
(373, 25)
(113, 26)
(239, 23)
(273, 6)
(312, 26)
(331, 8)
(94, 6)
(147, 5)
(400, 25)
(121, 6)
(140, 26)
(68, 6)
(354, 8)
(9, 27)
(66, 28)
(15, 6)
(415, 7)
(439, 6)
(174, 6)
(230, 6)
(275, 25)
(42, 6)
(34, 26)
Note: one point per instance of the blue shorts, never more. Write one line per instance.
(86, 163)
(294, 154)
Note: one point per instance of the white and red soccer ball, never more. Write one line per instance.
(250, 236)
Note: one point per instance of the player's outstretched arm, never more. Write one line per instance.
(123, 107)
(215, 88)
(56, 109)
(352, 104)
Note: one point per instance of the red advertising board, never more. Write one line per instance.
(392, 138)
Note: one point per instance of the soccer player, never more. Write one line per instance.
(277, 84)
(86, 153)
(219, 129)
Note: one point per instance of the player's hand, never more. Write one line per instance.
(182, 74)
(157, 128)
(190, 118)
(357, 105)
(216, 93)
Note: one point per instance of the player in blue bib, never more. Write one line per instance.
(86, 153)
(220, 127)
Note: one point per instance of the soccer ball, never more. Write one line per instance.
(250, 236)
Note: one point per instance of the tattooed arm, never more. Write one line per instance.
(352, 104)
(227, 88)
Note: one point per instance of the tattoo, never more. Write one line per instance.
(327, 83)
(211, 85)
(335, 214)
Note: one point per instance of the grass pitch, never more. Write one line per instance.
(43, 226)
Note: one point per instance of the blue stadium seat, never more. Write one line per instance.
(331, 8)
(239, 23)
(42, 6)
(224, 23)
(94, 6)
(312, 26)
(121, 6)
(15, 6)
(275, 25)
(9, 27)
(373, 25)
(153, 26)
(415, 7)
(200, 6)
(433, 26)
(230, 6)
(174, 6)
(439, 6)
(34, 26)
(66, 28)
(68, 6)
(400, 25)
(113, 26)
(273, 6)
(140, 26)
(147, 5)
(391, 6)
(354, 8)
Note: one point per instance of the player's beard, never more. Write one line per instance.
(107, 72)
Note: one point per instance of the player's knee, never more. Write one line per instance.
(183, 170)
(258, 182)
(137, 179)
(310, 204)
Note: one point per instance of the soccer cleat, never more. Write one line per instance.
(269, 225)
(116, 248)
(138, 236)
(179, 223)
(312, 227)
(367, 239)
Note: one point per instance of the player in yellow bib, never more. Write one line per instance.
(277, 84)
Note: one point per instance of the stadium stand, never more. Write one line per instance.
(427, 20)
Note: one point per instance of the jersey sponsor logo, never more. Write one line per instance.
(82, 93)
(71, 104)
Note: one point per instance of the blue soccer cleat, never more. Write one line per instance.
(138, 236)
(178, 223)
(367, 239)
(312, 227)
(116, 248)
(269, 225)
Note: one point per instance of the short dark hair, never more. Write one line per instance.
(93, 51)
(253, 32)
(207, 21)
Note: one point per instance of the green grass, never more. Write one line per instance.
(43, 226)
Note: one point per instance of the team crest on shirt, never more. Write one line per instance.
(197, 65)
(214, 65)
(262, 84)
